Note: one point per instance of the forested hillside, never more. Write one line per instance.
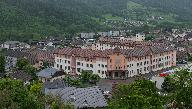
(180, 7)
(24, 19)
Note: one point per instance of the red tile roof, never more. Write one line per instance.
(105, 40)
(136, 52)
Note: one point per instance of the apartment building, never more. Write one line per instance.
(123, 43)
(35, 57)
(115, 63)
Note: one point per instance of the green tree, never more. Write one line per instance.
(181, 95)
(16, 96)
(21, 63)
(2, 63)
(85, 76)
(45, 65)
(30, 70)
(149, 37)
(55, 102)
(36, 88)
(141, 94)
(94, 78)
(168, 85)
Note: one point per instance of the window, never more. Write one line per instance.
(105, 65)
(99, 65)
(102, 65)
(153, 66)
(144, 68)
(68, 67)
(145, 63)
(60, 60)
(68, 62)
(65, 67)
(57, 65)
(82, 64)
(57, 60)
(87, 65)
(141, 63)
(137, 71)
(127, 65)
(65, 61)
(60, 66)
(78, 63)
(103, 72)
(91, 65)
(99, 71)
(78, 69)
(110, 60)
(116, 74)
(137, 64)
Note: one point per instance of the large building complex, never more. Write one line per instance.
(115, 63)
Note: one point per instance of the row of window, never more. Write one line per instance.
(102, 72)
(141, 63)
(102, 65)
(65, 68)
(141, 58)
(140, 70)
(87, 65)
(65, 61)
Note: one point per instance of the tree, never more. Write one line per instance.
(94, 78)
(149, 37)
(45, 65)
(2, 63)
(30, 70)
(88, 77)
(181, 95)
(36, 88)
(141, 94)
(85, 79)
(16, 96)
(168, 85)
(21, 63)
(55, 102)
(85, 76)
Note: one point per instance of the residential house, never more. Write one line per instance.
(22, 76)
(87, 35)
(50, 74)
(15, 45)
(90, 97)
(36, 58)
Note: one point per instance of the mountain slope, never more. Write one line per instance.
(24, 19)
(180, 7)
